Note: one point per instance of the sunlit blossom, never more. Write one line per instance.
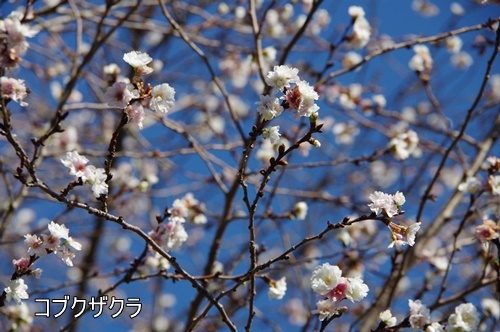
(162, 98)
(465, 318)
(281, 77)
(15, 290)
(13, 89)
(272, 133)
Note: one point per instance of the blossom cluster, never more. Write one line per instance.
(171, 235)
(405, 145)
(95, 177)
(464, 318)
(57, 241)
(327, 282)
(14, 33)
(390, 206)
(459, 58)
(132, 97)
(299, 98)
(422, 60)
(361, 28)
(13, 89)
(188, 208)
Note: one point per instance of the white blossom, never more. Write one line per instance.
(462, 60)
(301, 98)
(19, 316)
(327, 280)
(404, 145)
(13, 89)
(112, 69)
(269, 107)
(382, 202)
(420, 315)
(356, 289)
(487, 231)
(471, 185)
(16, 290)
(402, 235)
(96, 177)
(15, 34)
(387, 318)
(300, 210)
(325, 308)
(465, 319)
(453, 44)
(379, 100)
(351, 59)
(411, 233)
(157, 262)
(66, 255)
(61, 232)
(135, 113)
(434, 327)
(356, 11)
(491, 306)
(281, 77)
(35, 245)
(422, 59)
(399, 198)
(139, 60)
(272, 133)
(175, 236)
(162, 98)
(361, 28)
(345, 132)
(120, 94)
(324, 278)
(76, 164)
(277, 289)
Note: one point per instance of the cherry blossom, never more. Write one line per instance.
(405, 145)
(361, 28)
(420, 315)
(272, 133)
(327, 280)
(162, 98)
(387, 318)
(135, 113)
(422, 60)
(465, 318)
(386, 203)
(301, 98)
(14, 89)
(120, 94)
(281, 77)
(76, 164)
(471, 185)
(269, 107)
(487, 231)
(139, 60)
(277, 288)
(16, 291)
